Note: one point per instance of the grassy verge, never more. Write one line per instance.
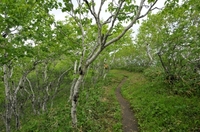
(156, 109)
(100, 111)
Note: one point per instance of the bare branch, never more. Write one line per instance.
(99, 37)
(93, 3)
(93, 50)
(156, 8)
(93, 56)
(92, 11)
(64, 74)
(78, 20)
(128, 27)
(150, 9)
(114, 19)
(102, 2)
(108, 20)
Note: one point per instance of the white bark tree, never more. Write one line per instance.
(11, 90)
(120, 11)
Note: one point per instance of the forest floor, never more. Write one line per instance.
(129, 121)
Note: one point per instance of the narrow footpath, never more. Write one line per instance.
(129, 121)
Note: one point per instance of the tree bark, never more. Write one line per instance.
(33, 96)
(8, 111)
(149, 54)
(75, 99)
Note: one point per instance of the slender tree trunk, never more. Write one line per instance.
(72, 89)
(16, 113)
(33, 96)
(73, 82)
(75, 99)
(163, 65)
(8, 108)
(58, 85)
(149, 54)
(75, 91)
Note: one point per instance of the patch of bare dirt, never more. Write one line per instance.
(129, 121)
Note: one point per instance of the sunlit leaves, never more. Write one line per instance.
(68, 7)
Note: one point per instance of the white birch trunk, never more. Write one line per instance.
(33, 96)
(8, 111)
(73, 82)
(101, 42)
(75, 99)
(149, 54)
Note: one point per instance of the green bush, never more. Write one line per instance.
(132, 68)
(154, 73)
(94, 112)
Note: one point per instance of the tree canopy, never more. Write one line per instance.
(41, 58)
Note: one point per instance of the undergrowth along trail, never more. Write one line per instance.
(156, 108)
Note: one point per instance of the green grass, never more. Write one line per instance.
(98, 111)
(157, 110)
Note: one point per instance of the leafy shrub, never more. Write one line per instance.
(153, 73)
(132, 68)
(97, 111)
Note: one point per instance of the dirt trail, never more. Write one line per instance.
(129, 121)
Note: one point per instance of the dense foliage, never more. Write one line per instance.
(172, 36)
(48, 65)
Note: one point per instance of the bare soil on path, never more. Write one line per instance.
(129, 121)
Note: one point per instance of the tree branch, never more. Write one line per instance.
(108, 20)
(150, 9)
(128, 27)
(102, 2)
(92, 11)
(114, 19)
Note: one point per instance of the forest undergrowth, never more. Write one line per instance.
(98, 110)
(156, 108)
